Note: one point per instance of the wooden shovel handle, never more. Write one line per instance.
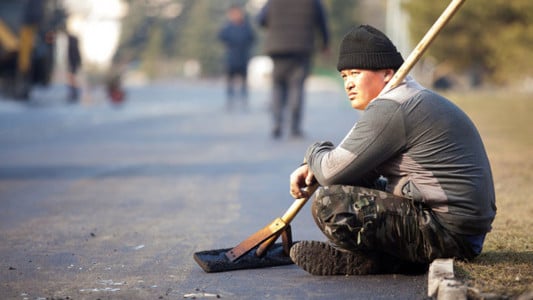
(287, 218)
(298, 204)
(424, 43)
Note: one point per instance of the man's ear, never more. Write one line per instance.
(387, 75)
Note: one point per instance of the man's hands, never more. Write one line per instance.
(300, 178)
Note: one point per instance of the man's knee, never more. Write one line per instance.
(345, 214)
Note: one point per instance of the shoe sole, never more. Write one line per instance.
(322, 259)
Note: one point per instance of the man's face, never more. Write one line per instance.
(235, 15)
(364, 85)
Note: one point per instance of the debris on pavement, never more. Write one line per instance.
(138, 247)
(200, 294)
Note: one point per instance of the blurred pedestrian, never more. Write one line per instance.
(290, 40)
(74, 64)
(67, 45)
(238, 37)
(114, 88)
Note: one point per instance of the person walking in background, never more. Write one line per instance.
(67, 46)
(74, 64)
(238, 37)
(290, 41)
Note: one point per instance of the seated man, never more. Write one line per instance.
(410, 182)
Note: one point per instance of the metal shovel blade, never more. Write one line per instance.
(212, 261)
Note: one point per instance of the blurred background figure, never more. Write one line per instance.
(238, 37)
(114, 88)
(74, 64)
(291, 27)
(68, 52)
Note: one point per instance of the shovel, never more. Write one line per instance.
(267, 253)
(259, 250)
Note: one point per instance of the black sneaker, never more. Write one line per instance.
(319, 258)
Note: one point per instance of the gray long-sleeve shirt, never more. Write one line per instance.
(427, 148)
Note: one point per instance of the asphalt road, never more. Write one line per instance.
(103, 202)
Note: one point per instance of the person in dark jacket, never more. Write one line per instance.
(74, 64)
(290, 42)
(238, 37)
(69, 60)
(410, 182)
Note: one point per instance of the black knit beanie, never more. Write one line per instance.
(367, 48)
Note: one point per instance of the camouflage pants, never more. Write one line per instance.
(357, 218)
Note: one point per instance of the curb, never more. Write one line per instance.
(442, 284)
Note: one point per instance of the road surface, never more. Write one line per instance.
(104, 202)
